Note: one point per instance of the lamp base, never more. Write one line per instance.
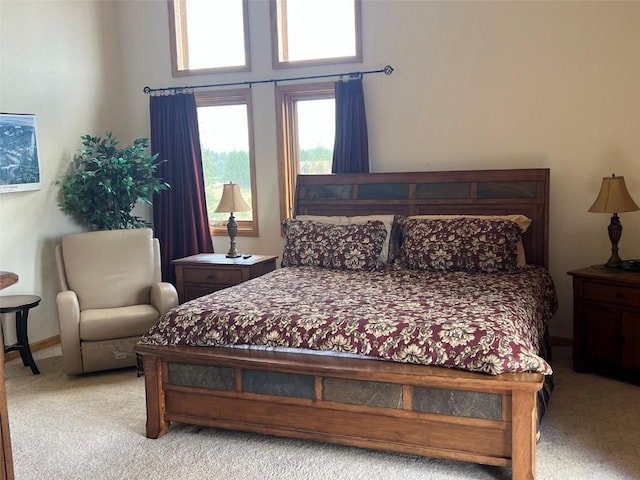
(615, 232)
(232, 230)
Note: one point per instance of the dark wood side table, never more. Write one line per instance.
(606, 322)
(20, 305)
(205, 273)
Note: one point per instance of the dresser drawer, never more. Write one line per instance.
(226, 276)
(618, 294)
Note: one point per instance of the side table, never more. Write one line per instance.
(20, 305)
(206, 273)
(606, 322)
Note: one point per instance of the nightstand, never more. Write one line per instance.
(606, 322)
(205, 273)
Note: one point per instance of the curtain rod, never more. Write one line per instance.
(387, 70)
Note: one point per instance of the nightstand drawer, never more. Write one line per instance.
(617, 294)
(205, 273)
(226, 276)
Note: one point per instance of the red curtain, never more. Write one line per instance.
(180, 219)
(351, 148)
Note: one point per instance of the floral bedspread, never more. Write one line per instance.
(492, 323)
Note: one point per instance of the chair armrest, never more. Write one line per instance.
(69, 323)
(164, 297)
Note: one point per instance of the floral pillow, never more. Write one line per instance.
(492, 245)
(349, 247)
(433, 244)
(461, 244)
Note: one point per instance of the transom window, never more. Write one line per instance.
(209, 36)
(226, 140)
(315, 32)
(306, 117)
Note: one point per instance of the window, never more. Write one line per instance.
(226, 139)
(306, 32)
(306, 121)
(198, 29)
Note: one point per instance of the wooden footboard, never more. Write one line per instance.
(411, 409)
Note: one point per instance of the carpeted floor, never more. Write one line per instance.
(92, 426)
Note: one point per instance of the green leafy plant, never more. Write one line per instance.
(105, 183)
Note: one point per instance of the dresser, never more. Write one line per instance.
(205, 273)
(606, 322)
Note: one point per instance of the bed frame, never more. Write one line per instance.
(390, 406)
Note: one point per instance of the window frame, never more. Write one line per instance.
(275, 41)
(178, 38)
(236, 97)
(287, 135)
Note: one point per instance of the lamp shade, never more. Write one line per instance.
(613, 197)
(232, 200)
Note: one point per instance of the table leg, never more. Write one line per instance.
(23, 340)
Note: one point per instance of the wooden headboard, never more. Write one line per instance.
(477, 192)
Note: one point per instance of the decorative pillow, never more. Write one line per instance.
(492, 245)
(389, 249)
(460, 244)
(520, 219)
(349, 247)
(433, 244)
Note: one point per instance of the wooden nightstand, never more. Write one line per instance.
(606, 322)
(205, 273)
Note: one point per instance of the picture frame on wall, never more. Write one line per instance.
(19, 154)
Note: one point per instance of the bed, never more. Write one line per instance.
(403, 392)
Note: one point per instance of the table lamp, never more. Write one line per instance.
(230, 202)
(614, 198)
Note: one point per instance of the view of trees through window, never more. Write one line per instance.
(316, 133)
(224, 116)
(224, 140)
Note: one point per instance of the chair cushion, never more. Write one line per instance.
(108, 323)
(111, 268)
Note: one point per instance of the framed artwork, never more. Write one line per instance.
(19, 161)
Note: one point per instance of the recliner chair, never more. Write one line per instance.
(111, 293)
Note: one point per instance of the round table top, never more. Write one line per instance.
(11, 303)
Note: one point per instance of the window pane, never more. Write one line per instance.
(316, 133)
(317, 29)
(215, 33)
(224, 138)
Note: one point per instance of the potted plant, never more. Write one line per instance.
(105, 183)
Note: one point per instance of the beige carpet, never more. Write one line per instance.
(92, 427)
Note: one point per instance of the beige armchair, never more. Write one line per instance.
(111, 293)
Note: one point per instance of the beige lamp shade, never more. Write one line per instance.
(232, 200)
(613, 197)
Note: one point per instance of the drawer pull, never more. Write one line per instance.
(211, 276)
(619, 295)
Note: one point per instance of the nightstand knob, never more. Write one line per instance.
(619, 295)
(211, 276)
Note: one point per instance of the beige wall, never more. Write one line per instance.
(477, 85)
(59, 61)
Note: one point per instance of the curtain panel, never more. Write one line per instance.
(180, 219)
(351, 148)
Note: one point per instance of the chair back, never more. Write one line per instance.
(110, 268)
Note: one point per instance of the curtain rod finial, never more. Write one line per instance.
(388, 70)
(146, 90)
